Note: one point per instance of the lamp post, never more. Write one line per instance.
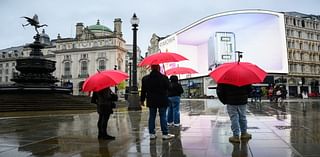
(134, 95)
(130, 75)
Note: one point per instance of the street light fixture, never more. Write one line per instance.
(134, 95)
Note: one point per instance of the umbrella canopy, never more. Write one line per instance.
(238, 74)
(103, 79)
(161, 57)
(180, 70)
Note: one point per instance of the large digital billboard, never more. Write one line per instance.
(213, 40)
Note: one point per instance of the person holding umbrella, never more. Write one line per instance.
(155, 89)
(104, 100)
(234, 86)
(236, 99)
(100, 83)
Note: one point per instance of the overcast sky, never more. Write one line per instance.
(162, 17)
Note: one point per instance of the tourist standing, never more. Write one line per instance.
(154, 90)
(174, 94)
(104, 100)
(236, 99)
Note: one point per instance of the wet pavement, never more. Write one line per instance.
(288, 129)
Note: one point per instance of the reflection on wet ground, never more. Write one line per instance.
(288, 129)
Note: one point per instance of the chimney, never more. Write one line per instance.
(79, 30)
(117, 27)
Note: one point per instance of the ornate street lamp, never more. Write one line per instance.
(130, 75)
(134, 95)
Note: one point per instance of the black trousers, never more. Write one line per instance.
(103, 124)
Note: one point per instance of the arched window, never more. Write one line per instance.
(102, 65)
(84, 68)
(67, 69)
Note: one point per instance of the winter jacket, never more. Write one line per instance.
(103, 99)
(233, 95)
(175, 89)
(155, 89)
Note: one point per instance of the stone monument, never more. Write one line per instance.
(35, 87)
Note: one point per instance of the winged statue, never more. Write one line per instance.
(33, 22)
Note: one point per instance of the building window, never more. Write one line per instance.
(7, 79)
(301, 56)
(67, 69)
(101, 55)
(67, 57)
(84, 68)
(102, 65)
(84, 56)
(7, 71)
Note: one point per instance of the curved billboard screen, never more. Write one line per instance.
(212, 41)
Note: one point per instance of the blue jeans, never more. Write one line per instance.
(174, 110)
(163, 120)
(237, 114)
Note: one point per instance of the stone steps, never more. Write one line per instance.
(44, 102)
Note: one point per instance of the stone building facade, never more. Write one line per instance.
(95, 47)
(303, 45)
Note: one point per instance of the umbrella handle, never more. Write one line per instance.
(164, 69)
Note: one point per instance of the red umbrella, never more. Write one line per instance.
(161, 57)
(103, 79)
(238, 73)
(180, 70)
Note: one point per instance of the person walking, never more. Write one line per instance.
(154, 90)
(174, 94)
(105, 102)
(236, 99)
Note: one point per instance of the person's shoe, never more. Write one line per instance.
(177, 125)
(167, 137)
(246, 136)
(170, 124)
(153, 136)
(108, 137)
(234, 139)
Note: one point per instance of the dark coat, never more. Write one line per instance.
(155, 89)
(103, 99)
(175, 89)
(233, 95)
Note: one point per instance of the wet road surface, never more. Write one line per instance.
(288, 129)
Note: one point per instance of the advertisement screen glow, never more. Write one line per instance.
(214, 40)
